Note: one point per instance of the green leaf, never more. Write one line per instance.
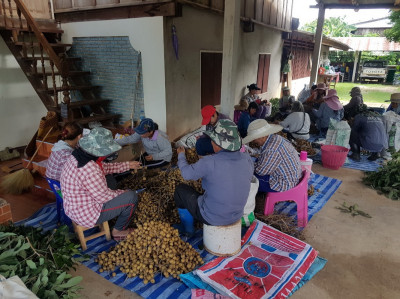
(31, 264)
(35, 287)
(41, 261)
(45, 272)
(60, 278)
(70, 283)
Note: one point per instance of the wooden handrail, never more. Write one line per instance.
(30, 21)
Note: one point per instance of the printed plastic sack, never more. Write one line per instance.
(189, 140)
(269, 265)
(391, 121)
(204, 294)
(338, 133)
(248, 215)
(14, 288)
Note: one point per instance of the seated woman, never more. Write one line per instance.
(297, 123)
(264, 107)
(246, 118)
(278, 165)
(394, 103)
(155, 142)
(368, 132)
(350, 110)
(87, 199)
(331, 108)
(61, 151)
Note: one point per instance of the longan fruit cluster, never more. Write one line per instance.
(151, 208)
(154, 247)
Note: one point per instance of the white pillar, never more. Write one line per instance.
(355, 66)
(317, 43)
(230, 54)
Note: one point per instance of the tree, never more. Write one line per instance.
(393, 34)
(333, 27)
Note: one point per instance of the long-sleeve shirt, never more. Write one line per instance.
(298, 122)
(226, 178)
(279, 160)
(243, 123)
(325, 113)
(85, 189)
(158, 146)
(351, 108)
(370, 131)
(60, 153)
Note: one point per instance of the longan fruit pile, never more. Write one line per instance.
(154, 247)
(151, 208)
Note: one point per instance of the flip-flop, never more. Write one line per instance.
(120, 238)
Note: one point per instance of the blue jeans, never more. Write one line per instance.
(204, 146)
(264, 183)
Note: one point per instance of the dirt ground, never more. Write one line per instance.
(363, 254)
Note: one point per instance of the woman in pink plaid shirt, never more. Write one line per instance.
(87, 199)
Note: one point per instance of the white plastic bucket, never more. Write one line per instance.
(223, 240)
(306, 164)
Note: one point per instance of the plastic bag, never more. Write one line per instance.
(248, 215)
(391, 121)
(14, 288)
(189, 140)
(338, 133)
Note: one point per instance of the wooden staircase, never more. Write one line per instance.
(54, 75)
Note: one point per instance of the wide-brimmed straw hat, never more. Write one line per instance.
(332, 100)
(394, 98)
(260, 128)
(321, 86)
(99, 143)
(225, 134)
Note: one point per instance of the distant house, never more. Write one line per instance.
(375, 26)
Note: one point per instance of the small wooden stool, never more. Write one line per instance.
(79, 230)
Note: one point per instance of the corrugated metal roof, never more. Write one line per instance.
(368, 43)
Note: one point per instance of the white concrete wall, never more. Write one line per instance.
(20, 106)
(146, 36)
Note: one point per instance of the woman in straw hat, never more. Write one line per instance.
(278, 166)
(87, 199)
(226, 178)
(394, 103)
(317, 97)
(330, 109)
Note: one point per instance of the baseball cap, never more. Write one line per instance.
(206, 113)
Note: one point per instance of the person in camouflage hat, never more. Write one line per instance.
(225, 134)
(87, 199)
(226, 177)
(99, 143)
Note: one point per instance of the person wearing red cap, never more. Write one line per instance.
(210, 117)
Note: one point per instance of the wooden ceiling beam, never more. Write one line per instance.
(164, 9)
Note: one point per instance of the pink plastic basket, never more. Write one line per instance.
(333, 156)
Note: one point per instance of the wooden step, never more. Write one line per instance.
(41, 187)
(38, 58)
(87, 102)
(99, 118)
(70, 74)
(54, 45)
(59, 89)
(44, 26)
(38, 164)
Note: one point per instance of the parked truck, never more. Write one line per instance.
(373, 70)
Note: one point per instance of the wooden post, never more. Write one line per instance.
(230, 54)
(355, 65)
(317, 44)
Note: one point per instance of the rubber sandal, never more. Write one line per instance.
(120, 238)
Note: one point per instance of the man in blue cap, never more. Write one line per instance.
(158, 150)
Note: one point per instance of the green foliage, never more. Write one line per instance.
(386, 179)
(274, 105)
(353, 210)
(393, 34)
(391, 58)
(40, 260)
(341, 56)
(333, 27)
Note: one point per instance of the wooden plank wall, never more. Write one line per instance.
(39, 9)
(77, 4)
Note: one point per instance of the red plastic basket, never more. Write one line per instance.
(333, 156)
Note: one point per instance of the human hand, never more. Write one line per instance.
(149, 158)
(180, 149)
(135, 165)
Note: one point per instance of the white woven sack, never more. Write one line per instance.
(248, 213)
(14, 288)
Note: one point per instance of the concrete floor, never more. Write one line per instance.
(363, 254)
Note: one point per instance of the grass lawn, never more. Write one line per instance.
(372, 93)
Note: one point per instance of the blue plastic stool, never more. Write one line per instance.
(56, 188)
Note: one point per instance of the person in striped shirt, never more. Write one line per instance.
(278, 166)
